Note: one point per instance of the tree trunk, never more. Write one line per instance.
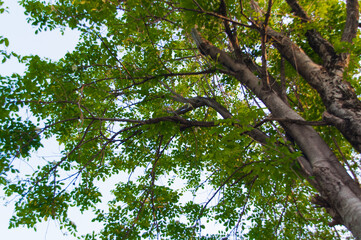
(340, 193)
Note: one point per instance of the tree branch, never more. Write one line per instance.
(305, 136)
(215, 15)
(338, 95)
(297, 121)
(176, 119)
(350, 30)
(232, 34)
(320, 45)
(296, 56)
(246, 59)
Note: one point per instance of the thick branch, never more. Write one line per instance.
(232, 34)
(336, 185)
(301, 133)
(254, 83)
(255, 133)
(350, 30)
(320, 45)
(296, 56)
(195, 102)
(298, 10)
(331, 60)
(338, 95)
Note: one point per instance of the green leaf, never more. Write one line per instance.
(179, 137)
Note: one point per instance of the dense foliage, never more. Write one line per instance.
(137, 97)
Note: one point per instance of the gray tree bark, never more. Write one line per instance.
(338, 190)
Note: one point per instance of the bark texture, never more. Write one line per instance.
(336, 187)
(343, 106)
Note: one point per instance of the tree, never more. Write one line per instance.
(255, 100)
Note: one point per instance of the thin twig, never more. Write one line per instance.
(344, 159)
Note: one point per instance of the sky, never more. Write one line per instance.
(52, 45)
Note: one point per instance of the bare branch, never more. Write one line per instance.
(298, 10)
(320, 45)
(176, 119)
(335, 92)
(226, 181)
(305, 136)
(313, 73)
(345, 160)
(352, 19)
(232, 34)
(216, 15)
(148, 78)
(242, 57)
(268, 13)
(297, 121)
(199, 6)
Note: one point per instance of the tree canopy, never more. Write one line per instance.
(255, 102)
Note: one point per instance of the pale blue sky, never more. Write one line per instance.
(46, 44)
(23, 40)
(52, 45)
